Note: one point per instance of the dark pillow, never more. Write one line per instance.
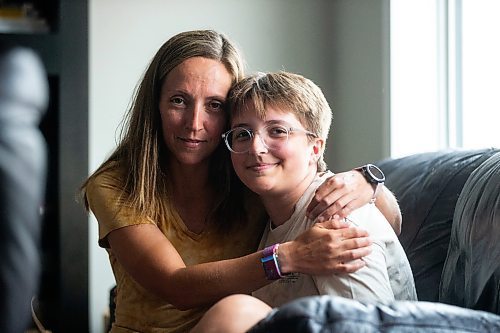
(427, 187)
(322, 314)
(471, 274)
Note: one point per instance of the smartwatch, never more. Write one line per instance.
(374, 176)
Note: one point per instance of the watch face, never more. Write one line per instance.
(375, 173)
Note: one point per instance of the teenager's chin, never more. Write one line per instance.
(259, 189)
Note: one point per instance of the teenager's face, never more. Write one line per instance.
(275, 171)
(192, 109)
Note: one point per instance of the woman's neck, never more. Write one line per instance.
(189, 180)
(192, 194)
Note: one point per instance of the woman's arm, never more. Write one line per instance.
(151, 259)
(342, 193)
(389, 207)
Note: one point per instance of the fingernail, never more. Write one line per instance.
(336, 217)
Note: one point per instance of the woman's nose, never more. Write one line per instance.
(194, 118)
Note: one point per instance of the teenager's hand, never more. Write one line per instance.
(339, 195)
(328, 247)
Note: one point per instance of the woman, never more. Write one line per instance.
(179, 227)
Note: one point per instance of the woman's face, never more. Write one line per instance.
(192, 102)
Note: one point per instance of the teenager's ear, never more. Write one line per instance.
(317, 149)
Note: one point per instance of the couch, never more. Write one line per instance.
(23, 100)
(450, 202)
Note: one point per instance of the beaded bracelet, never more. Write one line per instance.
(270, 262)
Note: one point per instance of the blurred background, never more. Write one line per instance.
(402, 76)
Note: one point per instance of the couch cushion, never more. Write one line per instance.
(340, 315)
(471, 274)
(427, 186)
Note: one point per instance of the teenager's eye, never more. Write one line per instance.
(277, 131)
(241, 134)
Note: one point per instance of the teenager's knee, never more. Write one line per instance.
(232, 314)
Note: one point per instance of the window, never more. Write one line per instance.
(445, 73)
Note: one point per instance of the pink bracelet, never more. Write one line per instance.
(270, 250)
(270, 262)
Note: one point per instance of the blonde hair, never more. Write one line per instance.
(141, 150)
(290, 91)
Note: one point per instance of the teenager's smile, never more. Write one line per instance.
(261, 167)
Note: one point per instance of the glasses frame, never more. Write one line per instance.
(252, 133)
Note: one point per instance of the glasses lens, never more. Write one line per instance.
(239, 139)
(275, 136)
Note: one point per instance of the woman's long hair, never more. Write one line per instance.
(141, 150)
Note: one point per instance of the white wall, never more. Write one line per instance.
(335, 43)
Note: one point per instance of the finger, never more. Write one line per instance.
(329, 206)
(348, 209)
(320, 204)
(354, 254)
(343, 206)
(352, 234)
(333, 224)
(351, 266)
(329, 186)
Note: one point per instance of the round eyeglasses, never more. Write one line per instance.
(273, 136)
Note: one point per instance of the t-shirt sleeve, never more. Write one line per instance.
(370, 283)
(107, 204)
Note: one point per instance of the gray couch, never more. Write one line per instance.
(450, 201)
(23, 99)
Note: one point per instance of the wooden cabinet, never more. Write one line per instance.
(63, 47)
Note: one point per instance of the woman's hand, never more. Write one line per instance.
(339, 195)
(328, 247)
(344, 192)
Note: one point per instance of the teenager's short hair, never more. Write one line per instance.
(288, 91)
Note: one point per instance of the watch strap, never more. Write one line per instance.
(376, 183)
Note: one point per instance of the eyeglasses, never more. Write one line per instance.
(273, 136)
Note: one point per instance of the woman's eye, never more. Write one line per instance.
(177, 100)
(216, 105)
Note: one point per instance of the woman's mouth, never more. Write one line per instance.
(191, 143)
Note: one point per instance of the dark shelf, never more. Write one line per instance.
(29, 17)
(63, 48)
(23, 26)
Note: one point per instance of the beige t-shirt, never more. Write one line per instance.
(386, 276)
(138, 310)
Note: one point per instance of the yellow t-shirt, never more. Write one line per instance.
(138, 310)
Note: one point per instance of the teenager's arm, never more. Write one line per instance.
(151, 259)
(346, 191)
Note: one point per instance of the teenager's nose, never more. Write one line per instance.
(257, 144)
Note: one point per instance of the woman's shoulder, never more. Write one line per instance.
(106, 182)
